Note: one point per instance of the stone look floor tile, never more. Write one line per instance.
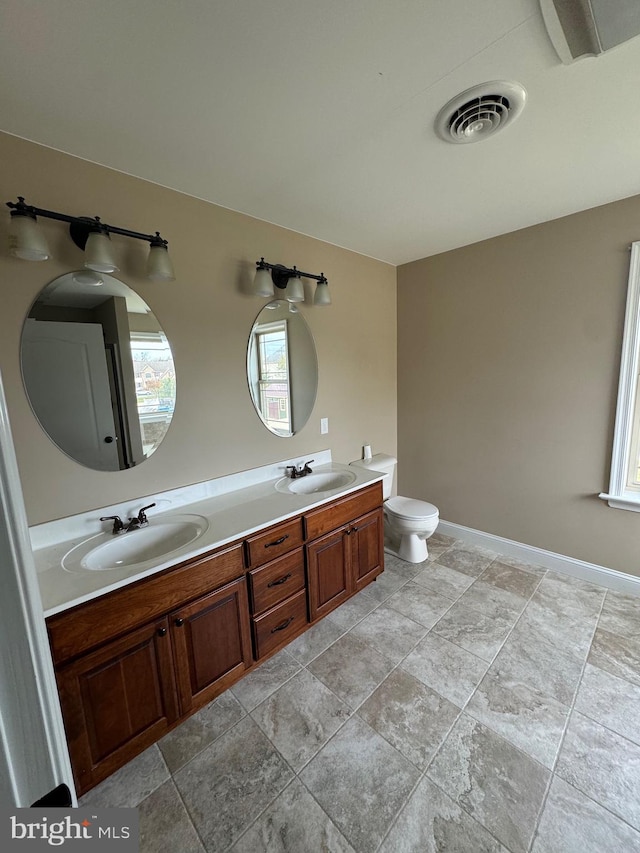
(352, 611)
(467, 559)
(294, 823)
(573, 823)
(528, 657)
(411, 716)
(616, 654)
(443, 580)
(621, 614)
(419, 603)
(313, 642)
(232, 781)
(432, 823)
(611, 701)
(300, 717)
(389, 632)
(493, 601)
(165, 824)
(482, 635)
(497, 784)
(352, 669)
(386, 584)
(504, 576)
(449, 670)
(361, 782)
(265, 680)
(525, 717)
(603, 765)
(196, 733)
(232, 786)
(131, 784)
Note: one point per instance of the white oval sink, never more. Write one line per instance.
(311, 484)
(137, 548)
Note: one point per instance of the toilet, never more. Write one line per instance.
(408, 522)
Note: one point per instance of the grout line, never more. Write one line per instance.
(564, 732)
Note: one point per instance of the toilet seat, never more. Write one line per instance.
(410, 508)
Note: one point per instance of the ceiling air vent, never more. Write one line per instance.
(480, 112)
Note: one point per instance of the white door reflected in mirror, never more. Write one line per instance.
(98, 371)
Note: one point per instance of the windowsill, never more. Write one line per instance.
(630, 502)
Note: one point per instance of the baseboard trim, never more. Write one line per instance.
(610, 578)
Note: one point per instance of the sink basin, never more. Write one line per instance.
(135, 549)
(321, 481)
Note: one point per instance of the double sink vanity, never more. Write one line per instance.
(149, 625)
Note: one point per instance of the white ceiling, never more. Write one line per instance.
(318, 114)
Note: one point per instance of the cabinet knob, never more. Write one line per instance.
(178, 622)
(162, 632)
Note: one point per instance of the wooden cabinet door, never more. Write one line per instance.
(328, 567)
(367, 548)
(212, 644)
(117, 701)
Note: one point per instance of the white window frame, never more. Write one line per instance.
(621, 494)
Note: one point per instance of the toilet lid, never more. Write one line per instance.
(411, 508)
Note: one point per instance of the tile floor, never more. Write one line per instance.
(469, 704)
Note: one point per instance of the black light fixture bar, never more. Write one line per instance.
(82, 226)
(281, 274)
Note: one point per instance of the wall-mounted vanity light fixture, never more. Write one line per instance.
(288, 280)
(27, 241)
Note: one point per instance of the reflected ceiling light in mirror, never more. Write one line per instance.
(27, 241)
(90, 279)
(289, 281)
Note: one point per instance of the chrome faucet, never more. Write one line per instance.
(300, 471)
(140, 520)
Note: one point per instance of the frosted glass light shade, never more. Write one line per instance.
(294, 291)
(322, 295)
(26, 239)
(159, 266)
(263, 283)
(98, 255)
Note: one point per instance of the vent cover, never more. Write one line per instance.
(480, 112)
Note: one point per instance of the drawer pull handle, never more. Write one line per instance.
(280, 580)
(283, 625)
(277, 542)
(162, 632)
(179, 622)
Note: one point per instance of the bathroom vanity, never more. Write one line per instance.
(135, 661)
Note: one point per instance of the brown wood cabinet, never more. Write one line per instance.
(212, 644)
(135, 662)
(117, 701)
(343, 562)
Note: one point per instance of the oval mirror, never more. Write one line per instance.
(98, 370)
(282, 368)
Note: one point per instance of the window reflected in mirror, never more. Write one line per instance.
(282, 368)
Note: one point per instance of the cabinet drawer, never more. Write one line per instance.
(280, 624)
(322, 520)
(274, 542)
(276, 581)
(89, 625)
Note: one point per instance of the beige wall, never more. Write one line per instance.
(207, 315)
(508, 358)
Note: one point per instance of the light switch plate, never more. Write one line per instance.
(324, 426)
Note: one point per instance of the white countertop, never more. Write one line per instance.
(231, 515)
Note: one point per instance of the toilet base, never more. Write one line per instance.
(409, 548)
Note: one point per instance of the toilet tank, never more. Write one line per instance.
(380, 463)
